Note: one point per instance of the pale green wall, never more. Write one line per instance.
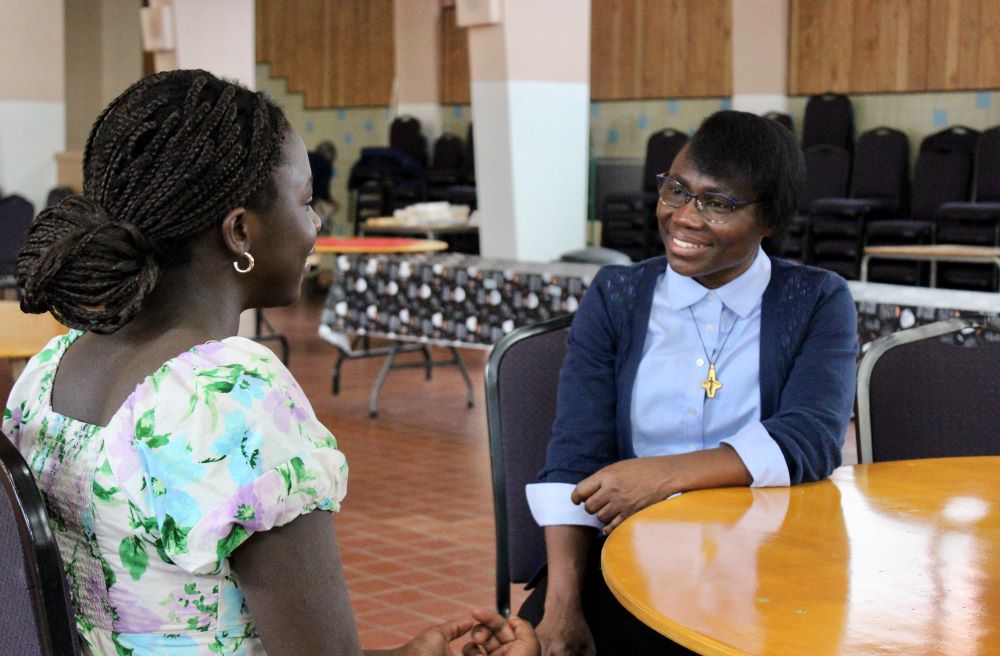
(621, 128)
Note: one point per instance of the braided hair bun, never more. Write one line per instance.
(164, 162)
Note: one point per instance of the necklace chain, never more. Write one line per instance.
(711, 385)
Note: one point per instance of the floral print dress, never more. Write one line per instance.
(217, 444)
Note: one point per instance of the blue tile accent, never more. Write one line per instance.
(457, 111)
(310, 126)
(342, 114)
(642, 122)
(671, 106)
(595, 110)
(726, 103)
(334, 172)
(940, 118)
(348, 137)
(369, 127)
(613, 136)
(984, 99)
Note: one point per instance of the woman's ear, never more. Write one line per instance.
(236, 232)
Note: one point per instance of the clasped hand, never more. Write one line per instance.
(490, 634)
(626, 487)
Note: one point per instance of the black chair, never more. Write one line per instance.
(880, 177)
(36, 617)
(829, 119)
(406, 137)
(974, 223)
(940, 176)
(628, 219)
(469, 161)
(954, 137)
(781, 117)
(522, 376)
(930, 392)
(16, 215)
(446, 167)
(828, 170)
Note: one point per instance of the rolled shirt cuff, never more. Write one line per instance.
(551, 505)
(761, 455)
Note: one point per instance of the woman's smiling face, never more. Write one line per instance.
(712, 254)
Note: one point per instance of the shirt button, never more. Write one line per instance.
(700, 362)
(692, 412)
(709, 327)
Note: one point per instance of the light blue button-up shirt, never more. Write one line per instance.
(670, 411)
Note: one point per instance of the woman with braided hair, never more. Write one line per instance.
(182, 486)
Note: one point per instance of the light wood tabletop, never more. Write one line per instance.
(374, 245)
(888, 558)
(390, 225)
(932, 253)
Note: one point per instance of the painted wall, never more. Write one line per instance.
(32, 96)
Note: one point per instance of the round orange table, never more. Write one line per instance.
(888, 558)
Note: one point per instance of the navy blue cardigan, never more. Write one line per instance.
(808, 348)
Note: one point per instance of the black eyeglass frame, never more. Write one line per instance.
(700, 199)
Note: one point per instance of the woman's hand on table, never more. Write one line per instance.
(565, 633)
(624, 488)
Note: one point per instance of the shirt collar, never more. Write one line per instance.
(739, 295)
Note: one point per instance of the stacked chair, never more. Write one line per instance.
(829, 119)
(628, 219)
(974, 223)
(879, 189)
(446, 166)
(828, 170)
(16, 214)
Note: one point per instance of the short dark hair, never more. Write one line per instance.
(164, 163)
(758, 157)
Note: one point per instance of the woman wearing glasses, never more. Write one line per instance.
(714, 366)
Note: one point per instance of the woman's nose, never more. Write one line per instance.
(688, 213)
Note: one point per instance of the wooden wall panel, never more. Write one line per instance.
(872, 46)
(660, 49)
(339, 54)
(456, 86)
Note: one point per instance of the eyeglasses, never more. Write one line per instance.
(712, 207)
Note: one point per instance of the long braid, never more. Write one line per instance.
(164, 162)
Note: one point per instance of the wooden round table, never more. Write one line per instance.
(889, 558)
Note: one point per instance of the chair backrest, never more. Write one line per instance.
(449, 153)
(16, 214)
(882, 166)
(661, 149)
(780, 117)
(987, 175)
(930, 392)
(522, 376)
(829, 119)
(940, 176)
(405, 136)
(955, 137)
(36, 617)
(828, 170)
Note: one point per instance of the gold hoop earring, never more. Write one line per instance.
(250, 263)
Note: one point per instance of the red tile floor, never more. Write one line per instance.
(416, 529)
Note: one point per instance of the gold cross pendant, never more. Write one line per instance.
(711, 385)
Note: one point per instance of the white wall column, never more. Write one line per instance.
(760, 55)
(530, 70)
(32, 97)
